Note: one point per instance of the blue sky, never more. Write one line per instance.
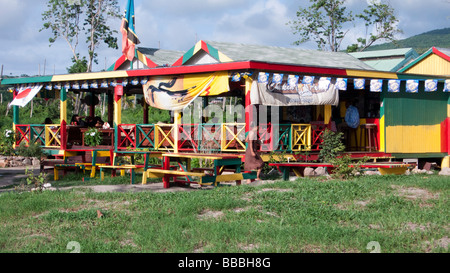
(178, 24)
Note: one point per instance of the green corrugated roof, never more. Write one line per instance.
(387, 60)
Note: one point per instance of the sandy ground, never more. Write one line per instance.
(12, 176)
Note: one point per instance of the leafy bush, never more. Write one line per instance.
(32, 150)
(332, 145)
(6, 142)
(92, 137)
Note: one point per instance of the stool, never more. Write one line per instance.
(369, 130)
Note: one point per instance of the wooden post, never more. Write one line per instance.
(327, 114)
(176, 121)
(15, 115)
(248, 106)
(63, 117)
(110, 107)
(145, 118)
(92, 106)
(118, 93)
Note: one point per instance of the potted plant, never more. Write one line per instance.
(92, 137)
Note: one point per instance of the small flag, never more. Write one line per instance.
(324, 83)
(430, 85)
(308, 80)
(277, 78)
(375, 85)
(235, 77)
(341, 84)
(263, 77)
(394, 86)
(412, 86)
(359, 83)
(447, 86)
(292, 81)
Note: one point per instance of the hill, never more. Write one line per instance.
(421, 42)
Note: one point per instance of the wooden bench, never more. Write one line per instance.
(298, 167)
(58, 167)
(133, 169)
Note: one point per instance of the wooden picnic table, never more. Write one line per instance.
(220, 162)
(299, 167)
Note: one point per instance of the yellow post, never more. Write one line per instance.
(327, 114)
(177, 122)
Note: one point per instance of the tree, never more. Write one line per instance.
(322, 22)
(96, 25)
(64, 17)
(327, 22)
(381, 17)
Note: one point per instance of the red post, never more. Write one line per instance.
(166, 166)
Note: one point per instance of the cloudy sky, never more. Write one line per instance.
(178, 24)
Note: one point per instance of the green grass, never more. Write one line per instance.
(401, 213)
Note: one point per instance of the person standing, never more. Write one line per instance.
(253, 160)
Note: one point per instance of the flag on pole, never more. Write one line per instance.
(129, 37)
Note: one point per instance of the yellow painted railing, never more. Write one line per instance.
(233, 137)
(52, 135)
(164, 139)
(301, 137)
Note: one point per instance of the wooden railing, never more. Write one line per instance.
(221, 137)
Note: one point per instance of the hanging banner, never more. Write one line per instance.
(341, 84)
(176, 92)
(359, 83)
(291, 93)
(25, 95)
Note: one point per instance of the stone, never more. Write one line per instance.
(445, 171)
(4, 163)
(26, 162)
(308, 172)
(319, 171)
(36, 162)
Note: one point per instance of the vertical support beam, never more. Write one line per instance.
(92, 107)
(327, 114)
(248, 104)
(166, 177)
(382, 129)
(63, 117)
(118, 93)
(111, 107)
(145, 118)
(176, 131)
(15, 115)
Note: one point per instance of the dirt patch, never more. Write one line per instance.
(417, 227)
(443, 243)
(412, 193)
(346, 205)
(209, 214)
(248, 247)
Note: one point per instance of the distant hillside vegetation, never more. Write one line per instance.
(421, 42)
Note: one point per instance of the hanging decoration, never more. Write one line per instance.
(359, 83)
(430, 85)
(394, 86)
(412, 86)
(376, 85)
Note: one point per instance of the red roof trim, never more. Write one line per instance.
(440, 54)
(236, 66)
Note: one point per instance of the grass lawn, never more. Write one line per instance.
(398, 213)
